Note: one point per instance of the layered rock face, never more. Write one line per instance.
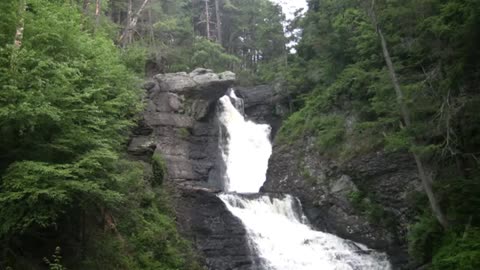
(329, 191)
(263, 105)
(180, 126)
(179, 123)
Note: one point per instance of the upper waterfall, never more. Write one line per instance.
(247, 148)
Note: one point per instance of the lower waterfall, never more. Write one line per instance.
(276, 226)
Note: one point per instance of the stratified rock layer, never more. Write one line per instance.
(179, 124)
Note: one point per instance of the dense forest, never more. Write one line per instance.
(407, 72)
(71, 72)
(70, 79)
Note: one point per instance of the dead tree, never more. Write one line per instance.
(424, 174)
(218, 15)
(21, 24)
(207, 19)
(126, 35)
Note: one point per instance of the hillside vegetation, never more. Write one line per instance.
(399, 76)
(70, 77)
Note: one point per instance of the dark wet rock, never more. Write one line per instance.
(180, 124)
(218, 235)
(263, 105)
(325, 187)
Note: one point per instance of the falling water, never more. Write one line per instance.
(276, 226)
(247, 149)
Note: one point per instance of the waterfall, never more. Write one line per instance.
(247, 149)
(276, 226)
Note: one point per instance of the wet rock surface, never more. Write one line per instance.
(327, 190)
(217, 234)
(263, 105)
(179, 124)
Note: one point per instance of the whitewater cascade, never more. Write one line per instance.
(276, 226)
(247, 150)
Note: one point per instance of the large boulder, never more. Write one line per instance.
(219, 236)
(200, 83)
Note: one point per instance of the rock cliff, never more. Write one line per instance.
(365, 199)
(179, 126)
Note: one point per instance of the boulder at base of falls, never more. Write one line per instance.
(218, 236)
(364, 199)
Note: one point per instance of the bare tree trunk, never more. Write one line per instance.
(86, 4)
(123, 39)
(152, 31)
(98, 7)
(128, 36)
(207, 19)
(424, 174)
(21, 24)
(393, 77)
(219, 22)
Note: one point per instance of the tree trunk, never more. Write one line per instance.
(128, 36)
(219, 22)
(152, 31)
(207, 19)
(86, 4)
(98, 7)
(425, 176)
(21, 24)
(123, 39)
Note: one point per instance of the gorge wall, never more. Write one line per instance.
(327, 189)
(179, 127)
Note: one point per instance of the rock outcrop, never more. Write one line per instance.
(179, 125)
(364, 199)
(263, 105)
(217, 234)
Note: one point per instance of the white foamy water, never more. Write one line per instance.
(276, 227)
(247, 149)
(286, 242)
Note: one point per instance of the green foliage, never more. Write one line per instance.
(212, 55)
(146, 236)
(56, 262)
(328, 130)
(373, 211)
(8, 21)
(159, 169)
(134, 58)
(184, 133)
(459, 251)
(340, 72)
(423, 237)
(67, 102)
(447, 250)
